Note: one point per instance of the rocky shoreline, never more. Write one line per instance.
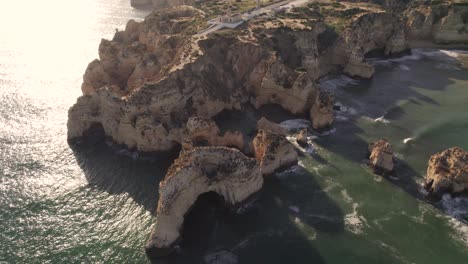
(156, 87)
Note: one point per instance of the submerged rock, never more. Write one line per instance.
(447, 171)
(199, 170)
(381, 157)
(273, 151)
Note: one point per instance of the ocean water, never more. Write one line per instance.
(96, 203)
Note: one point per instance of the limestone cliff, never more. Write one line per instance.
(444, 23)
(154, 76)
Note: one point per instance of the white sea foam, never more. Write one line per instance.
(404, 67)
(294, 209)
(408, 140)
(381, 120)
(355, 222)
(457, 208)
(221, 257)
(377, 120)
(294, 125)
(336, 82)
(418, 54)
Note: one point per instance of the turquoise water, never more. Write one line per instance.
(95, 203)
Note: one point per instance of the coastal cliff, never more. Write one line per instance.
(160, 84)
(153, 76)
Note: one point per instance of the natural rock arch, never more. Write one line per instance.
(225, 171)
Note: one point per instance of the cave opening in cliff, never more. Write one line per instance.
(202, 220)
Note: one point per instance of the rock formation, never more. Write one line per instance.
(158, 85)
(225, 171)
(301, 138)
(265, 124)
(322, 111)
(381, 157)
(205, 132)
(273, 151)
(443, 23)
(447, 171)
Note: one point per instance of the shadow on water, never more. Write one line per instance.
(108, 171)
(396, 81)
(269, 230)
(380, 97)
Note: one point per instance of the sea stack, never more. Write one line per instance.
(381, 157)
(447, 171)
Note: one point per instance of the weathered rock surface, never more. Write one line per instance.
(381, 157)
(152, 77)
(273, 151)
(265, 124)
(301, 138)
(205, 132)
(447, 171)
(225, 171)
(322, 111)
(443, 23)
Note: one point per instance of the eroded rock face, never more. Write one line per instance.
(447, 171)
(265, 124)
(321, 112)
(225, 171)
(370, 32)
(381, 157)
(273, 151)
(205, 132)
(444, 23)
(301, 138)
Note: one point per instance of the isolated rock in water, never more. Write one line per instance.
(381, 157)
(321, 112)
(273, 151)
(447, 171)
(265, 124)
(301, 138)
(225, 171)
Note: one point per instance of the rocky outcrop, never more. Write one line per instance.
(447, 171)
(265, 124)
(381, 157)
(443, 23)
(301, 138)
(143, 52)
(273, 151)
(375, 31)
(225, 171)
(322, 111)
(205, 132)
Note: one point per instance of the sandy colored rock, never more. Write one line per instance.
(444, 23)
(321, 112)
(273, 151)
(447, 171)
(381, 157)
(301, 138)
(225, 171)
(265, 124)
(205, 132)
